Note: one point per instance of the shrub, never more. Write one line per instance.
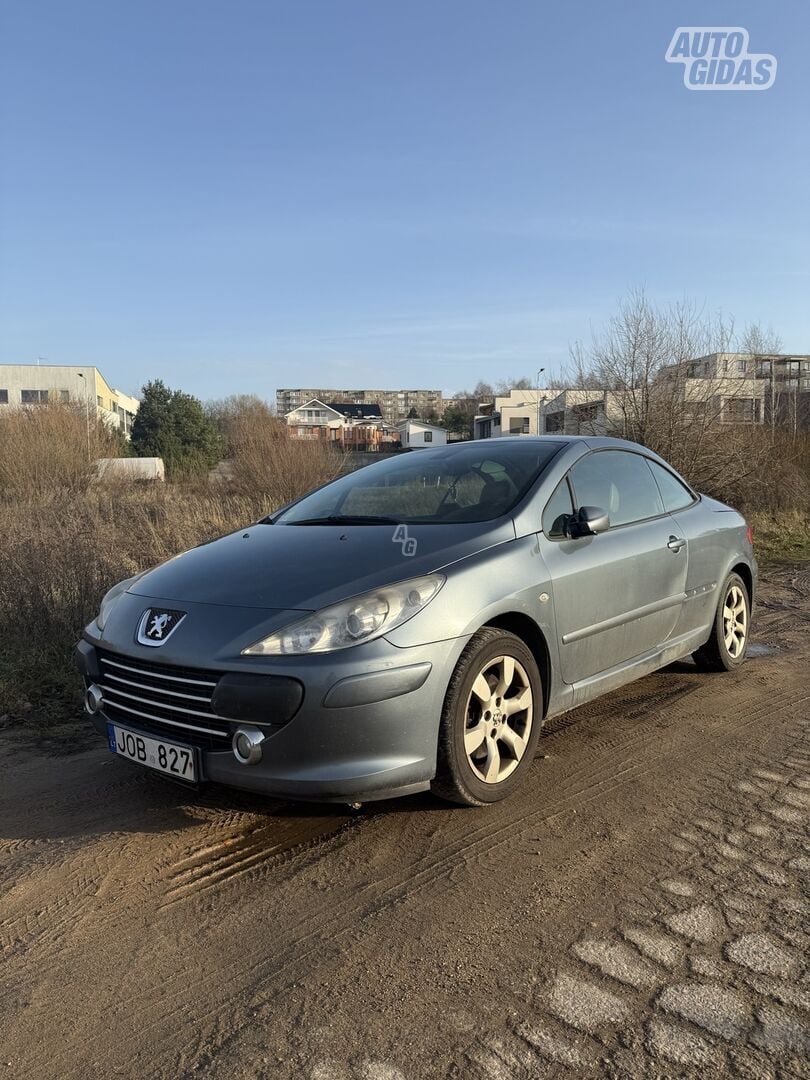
(263, 459)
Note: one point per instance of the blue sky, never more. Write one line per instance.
(241, 195)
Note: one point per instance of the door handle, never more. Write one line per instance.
(675, 543)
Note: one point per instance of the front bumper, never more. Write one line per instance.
(365, 726)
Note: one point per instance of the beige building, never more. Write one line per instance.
(579, 411)
(615, 412)
(38, 384)
(520, 412)
(781, 382)
(583, 412)
(394, 404)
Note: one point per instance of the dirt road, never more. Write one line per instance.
(639, 909)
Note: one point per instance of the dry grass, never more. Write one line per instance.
(781, 537)
(65, 541)
(51, 448)
(59, 556)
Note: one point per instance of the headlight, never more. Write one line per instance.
(109, 599)
(351, 622)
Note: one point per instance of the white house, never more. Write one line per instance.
(354, 426)
(315, 420)
(417, 435)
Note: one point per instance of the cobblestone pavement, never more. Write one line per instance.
(702, 974)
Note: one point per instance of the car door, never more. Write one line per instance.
(706, 550)
(617, 594)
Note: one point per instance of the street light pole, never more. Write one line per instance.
(86, 410)
(537, 385)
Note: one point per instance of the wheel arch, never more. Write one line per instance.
(524, 627)
(744, 571)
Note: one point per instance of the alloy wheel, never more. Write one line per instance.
(498, 719)
(735, 621)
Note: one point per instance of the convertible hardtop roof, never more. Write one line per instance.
(586, 440)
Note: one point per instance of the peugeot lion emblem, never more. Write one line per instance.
(157, 625)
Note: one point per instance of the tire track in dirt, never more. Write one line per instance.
(194, 868)
(240, 852)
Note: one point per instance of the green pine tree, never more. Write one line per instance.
(172, 425)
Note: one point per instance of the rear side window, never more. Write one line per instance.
(557, 512)
(619, 482)
(676, 495)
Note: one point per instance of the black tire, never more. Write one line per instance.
(460, 777)
(715, 655)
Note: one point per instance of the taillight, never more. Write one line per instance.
(750, 532)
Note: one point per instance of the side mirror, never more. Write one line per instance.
(588, 521)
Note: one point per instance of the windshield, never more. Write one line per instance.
(475, 482)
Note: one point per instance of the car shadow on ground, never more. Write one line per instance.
(89, 793)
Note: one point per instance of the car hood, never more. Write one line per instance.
(311, 566)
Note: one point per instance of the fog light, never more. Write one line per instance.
(247, 745)
(93, 699)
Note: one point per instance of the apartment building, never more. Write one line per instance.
(38, 384)
(781, 381)
(394, 404)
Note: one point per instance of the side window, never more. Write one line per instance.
(557, 512)
(618, 482)
(675, 495)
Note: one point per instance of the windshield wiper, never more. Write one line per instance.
(346, 519)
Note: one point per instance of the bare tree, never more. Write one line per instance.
(662, 376)
(503, 386)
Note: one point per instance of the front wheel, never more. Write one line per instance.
(490, 721)
(725, 650)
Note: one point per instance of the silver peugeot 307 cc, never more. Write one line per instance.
(413, 624)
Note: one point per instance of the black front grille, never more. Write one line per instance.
(161, 698)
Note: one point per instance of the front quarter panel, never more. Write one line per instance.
(507, 578)
(510, 579)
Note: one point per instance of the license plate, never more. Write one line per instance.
(167, 757)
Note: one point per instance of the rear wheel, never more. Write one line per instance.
(725, 650)
(490, 721)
